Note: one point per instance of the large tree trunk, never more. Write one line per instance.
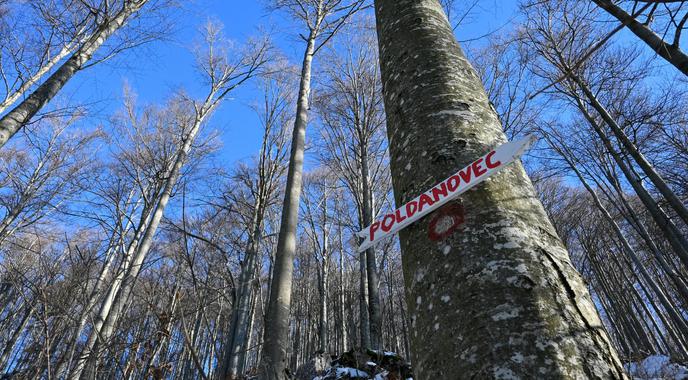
(498, 297)
(276, 334)
(20, 115)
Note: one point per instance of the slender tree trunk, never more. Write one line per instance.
(20, 115)
(12, 341)
(634, 220)
(93, 297)
(499, 297)
(239, 326)
(249, 331)
(363, 302)
(109, 301)
(276, 337)
(374, 310)
(238, 333)
(163, 331)
(342, 319)
(324, 285)
(670, 52)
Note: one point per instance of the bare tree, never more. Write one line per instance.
(223, 74)
(322, 19)
(262, 184)
(42, 173)
(98, 22)
(669, 12)
(354, 146)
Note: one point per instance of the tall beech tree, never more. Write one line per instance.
(503, 282)
(322, 19)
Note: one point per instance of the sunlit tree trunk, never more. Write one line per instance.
(275, 340)
(342, 319)
(498, 297)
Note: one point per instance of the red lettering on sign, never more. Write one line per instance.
(388, 226)
(411, 208)
(424, 199)
(442, 190)
(374, 227)
(466, 174)
(399, 218)
(453, 183)
(477, 169)
(489, 163)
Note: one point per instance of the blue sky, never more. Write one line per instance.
(159, 68)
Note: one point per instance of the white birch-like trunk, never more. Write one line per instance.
(276, 338)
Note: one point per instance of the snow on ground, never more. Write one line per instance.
(656, 367)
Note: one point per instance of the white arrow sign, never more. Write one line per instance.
(478, 171)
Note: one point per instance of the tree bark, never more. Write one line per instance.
(238, 334)
(499, 297)
(342, 319)
(363, 302)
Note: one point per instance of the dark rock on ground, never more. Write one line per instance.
(356, 364)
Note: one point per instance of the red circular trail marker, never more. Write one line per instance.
(447, 220)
